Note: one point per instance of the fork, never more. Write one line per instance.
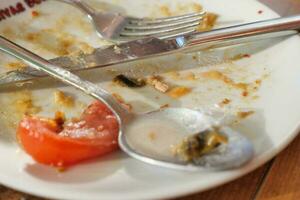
(114, 26)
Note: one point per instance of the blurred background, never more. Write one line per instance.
(284, 7)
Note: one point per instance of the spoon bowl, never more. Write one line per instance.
(152, 137)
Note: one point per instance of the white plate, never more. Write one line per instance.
(271, 128)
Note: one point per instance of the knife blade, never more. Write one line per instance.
(101, 57)
(153, 47)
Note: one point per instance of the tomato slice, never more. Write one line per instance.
(93, 135)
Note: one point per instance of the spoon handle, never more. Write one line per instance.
(64, 75)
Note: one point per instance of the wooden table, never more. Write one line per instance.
(277, 180)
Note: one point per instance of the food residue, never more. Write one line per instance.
(225, 101)
(152, 136)
(35, 13)
(208, 22)
(243, 115)
(157, 83)
(217, 75)
(63, 99)
(258, 82)
(127, 81)
(240, 56)
(179, 91)
(181, 8)
(245, 93)
(25, 104)
(61, 44)
(190, 76)
(164, 106)
(121, 100)
(60, 118)
(15, 65)
(195, 146)
(165, 11)
(117, 49)
(197, 7)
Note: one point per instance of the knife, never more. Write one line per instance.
(153, 47)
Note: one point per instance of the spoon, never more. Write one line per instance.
(134, 128)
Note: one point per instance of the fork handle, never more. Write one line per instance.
(246, 32)
(81, 5)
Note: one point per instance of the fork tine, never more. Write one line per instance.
(161, 36)
(175, 34)
(141, 21)
(164, 25)
(158, 31)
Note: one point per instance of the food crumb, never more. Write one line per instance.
(208, 22)
(258, 82)
(243, 115)
(193, 147)
(197, 7)
(61, 98)
(260, 11)
(15, 65)
(179, 91)
(240, 56)
(121, 100)
(59, 118)
(165, 11)
(245, 93)
(158, 84)
(117, 49)
(225, 101)
(35, 13)
(25, 105)
(61, 169)
(164, 106)
(152, 136)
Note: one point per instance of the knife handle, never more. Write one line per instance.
(245, 33)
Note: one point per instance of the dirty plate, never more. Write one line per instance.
(259, 82)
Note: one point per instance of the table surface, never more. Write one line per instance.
(279, 179)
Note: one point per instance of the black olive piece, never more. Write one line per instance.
(129, 81)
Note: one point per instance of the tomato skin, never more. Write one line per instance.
(41, 140)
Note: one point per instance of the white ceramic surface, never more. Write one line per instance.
(272, 127)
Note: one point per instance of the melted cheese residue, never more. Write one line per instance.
(216, 75)
(15, 65)
(179, 91)
(24, 103)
